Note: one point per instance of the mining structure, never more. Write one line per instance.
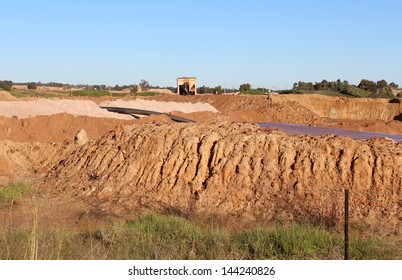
(186, 86)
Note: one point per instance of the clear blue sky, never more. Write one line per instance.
(266, 43)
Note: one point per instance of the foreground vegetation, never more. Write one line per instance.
(166, 237)
(14, 192)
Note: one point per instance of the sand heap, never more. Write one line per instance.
(5, 96)
(56, 128)
(161, 106)
(43, 107)
(237, 171)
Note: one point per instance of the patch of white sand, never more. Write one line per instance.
(161, 106)
(44, 107)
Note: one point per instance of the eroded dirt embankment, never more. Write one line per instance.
(237, 171)
(55, 128)
(346, 108)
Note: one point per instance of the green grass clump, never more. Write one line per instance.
(356, 92)
(296, 242)
(95, 93)
(20, 93)
(11, 193)
(146, 93)
(91, 93)
(167, 237)
(254, 92)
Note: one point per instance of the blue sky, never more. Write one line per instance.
(266, 43)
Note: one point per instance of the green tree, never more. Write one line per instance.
(218, 90)
(382, 84)
(310, 86)
(144, 85)
(134, 88)
(32, 85)
(202, 90)
(367, 85)
(245, 87)
(300, 86)
(325, 84)
(6, 85)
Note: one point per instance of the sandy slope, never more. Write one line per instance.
(161, 106)
(5, 96)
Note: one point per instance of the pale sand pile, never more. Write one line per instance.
(43, 107)
(5, 96)
(161, 106)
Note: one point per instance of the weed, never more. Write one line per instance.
(91, 93)
(254, 92)
(11, 193)
(146, 93)
(20, 93)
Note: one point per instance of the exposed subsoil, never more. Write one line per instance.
(217, 167)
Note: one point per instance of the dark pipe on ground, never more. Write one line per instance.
(133, 112)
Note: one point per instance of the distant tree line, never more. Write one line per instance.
(215, 90)
(244, 88)
(143, 85)
(364, 88)
(204, 90)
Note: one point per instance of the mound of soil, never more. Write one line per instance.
(236, 171)
(24, 161)
(57, 128)
(42, 107)
(5, 96)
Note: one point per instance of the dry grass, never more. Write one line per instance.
(167, 237)
(10, 194)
